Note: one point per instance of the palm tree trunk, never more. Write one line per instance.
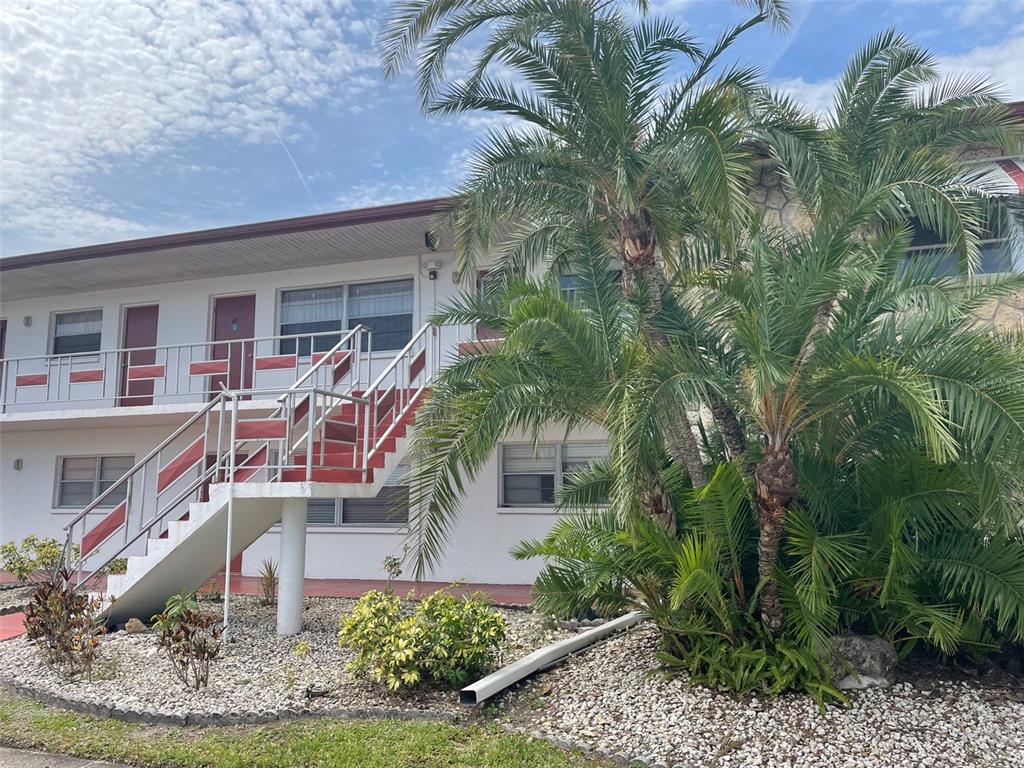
(728, 425)
(776, 486)
(637, 248)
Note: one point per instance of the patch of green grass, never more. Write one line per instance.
(310, 744)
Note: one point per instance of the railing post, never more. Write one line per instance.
(311, 421)
(231, 513)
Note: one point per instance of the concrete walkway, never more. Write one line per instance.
(23, 758)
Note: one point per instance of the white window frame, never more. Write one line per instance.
(347, 303)
(98, 460)
(559, 472)
(52, 338)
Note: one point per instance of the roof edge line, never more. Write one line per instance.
(337, 219)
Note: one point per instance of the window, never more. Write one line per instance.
(77, 331)
(996, 252)
(567, 285)
(529, 477)
(311, 310)
(81, 479)
(389, 507)
(385, 308)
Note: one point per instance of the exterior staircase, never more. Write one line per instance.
(219, 481)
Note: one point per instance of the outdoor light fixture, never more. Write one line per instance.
(430, 240)
(18, 464)
(432, 267)
(27, 320)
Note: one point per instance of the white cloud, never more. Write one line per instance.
(1002, 63)
(87, 85)
(817, 96)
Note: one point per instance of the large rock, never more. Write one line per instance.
(862, 661)
(135, 627)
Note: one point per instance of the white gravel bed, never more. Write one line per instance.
(608, 699)
(257, 672)
(14, 598)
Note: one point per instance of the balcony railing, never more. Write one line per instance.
(174, 373)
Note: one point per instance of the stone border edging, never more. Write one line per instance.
(13, 609)
(226, 718)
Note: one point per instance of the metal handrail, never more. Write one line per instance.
(138, 465)
(219, 400)
(397, 358)
(207, 343)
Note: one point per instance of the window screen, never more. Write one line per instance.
(82, 478)
(385, 308)
(312, 310)
(322, 511)
(390, 506)
(577, 455)
(77, 331)
(528, 475)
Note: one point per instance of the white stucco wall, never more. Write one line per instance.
(479, 543)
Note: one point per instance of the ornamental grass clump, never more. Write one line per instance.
(190, 638)
(63, 624)
(443, 641)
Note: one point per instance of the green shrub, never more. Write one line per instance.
(117, 566)
(443, 640)
(190, 639)
(33, 558)
(63, 624)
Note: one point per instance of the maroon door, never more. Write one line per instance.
(139, 331)
(234, 318)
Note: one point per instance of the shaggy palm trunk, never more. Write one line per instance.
(729, 426)
(659, 506)
(776, 486)
(638, 247)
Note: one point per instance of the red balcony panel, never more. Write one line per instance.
(300, 410)
(385, 404)
(251, 465)
(136, 372)
(103, 530)
(478, 346)
(30, 380)
(208, 368)
(418, 364)
(80, 377)
(336, 358)
(263, 429)
(342, 367)
(177, 466)
(341, 430)
(275, 362)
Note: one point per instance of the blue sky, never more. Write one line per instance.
(127, 119)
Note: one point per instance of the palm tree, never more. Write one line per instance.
(601, 137)
(579, 363)
(798, 314)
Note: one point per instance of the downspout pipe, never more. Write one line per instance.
(542, 658)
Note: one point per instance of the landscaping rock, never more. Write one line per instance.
(135, 627)
(609, 701)
(862, 661)
(259, 675)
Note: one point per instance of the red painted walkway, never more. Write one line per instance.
(12, 624)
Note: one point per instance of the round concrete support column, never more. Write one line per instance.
(291, 567)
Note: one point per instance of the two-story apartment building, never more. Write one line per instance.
(114, 422)
(111, 349)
